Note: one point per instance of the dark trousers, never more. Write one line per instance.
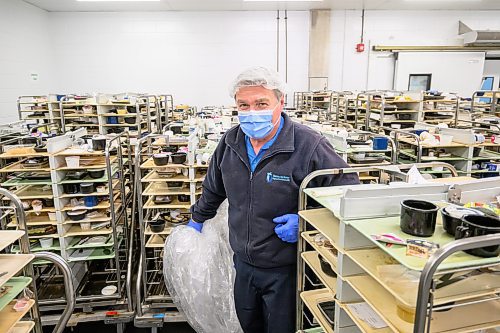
(265, 298)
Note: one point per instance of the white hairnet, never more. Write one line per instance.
(258, 76)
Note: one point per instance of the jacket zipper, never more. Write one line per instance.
(249, 207)
(248, 218)
(251, 196)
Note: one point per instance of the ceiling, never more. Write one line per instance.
(210, 5)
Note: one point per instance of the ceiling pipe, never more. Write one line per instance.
(286, 47)
(277, 41)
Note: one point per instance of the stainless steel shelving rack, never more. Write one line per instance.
(151, 106)
(120, 107)
(362, 105)
(465, 152)
(154, 305)
(37, 105)
(72, 116)
(480, 109)
(393, 108)
(299, 100)
(105, 268)
(346, 108)
(440, 109)
(350, 215)
(165, 109)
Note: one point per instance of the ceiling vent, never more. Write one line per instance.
(478, 37)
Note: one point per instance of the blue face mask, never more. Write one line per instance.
(257, 124)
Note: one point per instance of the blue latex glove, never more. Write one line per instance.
(287, 228)
(195, 225)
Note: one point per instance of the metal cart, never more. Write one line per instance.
(16, 209)
(357, 242)
(154, 305)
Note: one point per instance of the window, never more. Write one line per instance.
(419, 82)
(487, 83)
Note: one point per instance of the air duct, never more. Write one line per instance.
(478, 37)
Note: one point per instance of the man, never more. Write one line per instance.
(258, 166)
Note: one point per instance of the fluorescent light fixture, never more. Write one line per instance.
(443, 0)
(282, 0)
(118, 0)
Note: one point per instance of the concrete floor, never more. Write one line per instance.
(102, 328)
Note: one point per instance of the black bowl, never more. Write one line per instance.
(178, 158)
(41, 149)
(77, 215)
(326, 267)
(176, 128)
(418, 217)
(48, 202)
(116, 130)
(157, 225)
(130, 120)
(160, 159)
(174, 184)
(477, 225)
(184, 198)
(71, 188)
(99, 143)
(87, 188)
(169, 149)
(450, 223)
(95, 174)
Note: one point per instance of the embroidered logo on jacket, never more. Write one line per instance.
(270, 177)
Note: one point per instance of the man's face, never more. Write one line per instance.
(259, 98)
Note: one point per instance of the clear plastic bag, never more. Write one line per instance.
(199, 273)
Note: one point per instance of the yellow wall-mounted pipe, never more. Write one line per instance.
(435, 48)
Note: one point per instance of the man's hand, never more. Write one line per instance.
(195, 225)
(287, 228)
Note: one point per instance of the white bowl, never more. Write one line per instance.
(85, 225)
(46, 243)
(72, 161)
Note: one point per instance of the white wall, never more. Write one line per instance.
(192, 55)
(443, 67)
(373, 70)
(24, 49)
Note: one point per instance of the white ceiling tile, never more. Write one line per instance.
(221, 5)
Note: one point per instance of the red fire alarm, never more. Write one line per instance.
(360, 47)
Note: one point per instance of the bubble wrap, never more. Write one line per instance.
(199, 274)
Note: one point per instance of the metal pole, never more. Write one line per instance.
(278, 41)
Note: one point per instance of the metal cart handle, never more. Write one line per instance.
(430, 269)
(69, 288)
